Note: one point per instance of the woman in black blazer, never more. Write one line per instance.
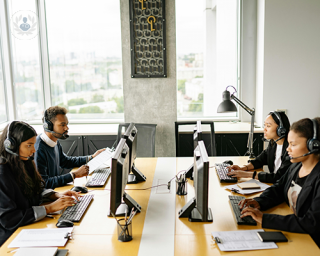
(299, 187)
(21, 186)
(276, 128)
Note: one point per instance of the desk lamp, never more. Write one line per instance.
(228, 106)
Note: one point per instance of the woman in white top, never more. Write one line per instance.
(276, 128)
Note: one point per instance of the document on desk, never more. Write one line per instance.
(236, 188)
(41, 237)
(100, 159)
(241, 241)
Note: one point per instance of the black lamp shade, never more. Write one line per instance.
(226, 105)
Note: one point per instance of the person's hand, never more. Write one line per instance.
(233, 167)
(253, 212)
(70, 193)
(98, 152)
(240, 174)
(82, 171)
(60, 204)
(249, 202)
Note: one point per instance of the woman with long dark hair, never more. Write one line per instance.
(299, 187)
(276, 129)
(21, 186)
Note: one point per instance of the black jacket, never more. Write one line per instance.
(307, 219)
(267, 157)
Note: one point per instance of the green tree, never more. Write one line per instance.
(97, 98)
(196, 105)
(182, 86)
(73, 111)
(90, 109)
(75, 102)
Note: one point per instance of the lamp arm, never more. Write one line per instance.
(244, 106)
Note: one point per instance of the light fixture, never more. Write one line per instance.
(228, 106)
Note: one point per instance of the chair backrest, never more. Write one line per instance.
(146, 145)
(184, 142)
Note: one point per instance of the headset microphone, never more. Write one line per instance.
(281, 137)
(13, 153)
(265, 140)
(63, 135)
(309, 153)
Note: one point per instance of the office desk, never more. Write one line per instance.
(96, 234)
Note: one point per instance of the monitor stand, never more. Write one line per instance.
(190, 211)
(136, 176)
(189, 172)
(128, 204)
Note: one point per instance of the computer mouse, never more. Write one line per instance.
(228, 162)
(80, 189)
(64, 224)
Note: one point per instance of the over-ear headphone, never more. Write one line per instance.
(10, 144)
(281, 131)
(314, 144)
(47, 124)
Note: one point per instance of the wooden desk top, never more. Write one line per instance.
(96, 234)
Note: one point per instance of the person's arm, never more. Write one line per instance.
(70, 162)
(51, 180)
(273, 177)
(261, 159)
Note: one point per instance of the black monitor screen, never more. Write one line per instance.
(119, 174)
(130, 136)
(201, 179)
(197, 134)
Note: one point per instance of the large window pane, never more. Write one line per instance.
(84, 42)
(3, 107)
(207, 59)
(24, 40)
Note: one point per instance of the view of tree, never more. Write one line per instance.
(97, 98)
(182, 86)
(90, 109)
(75, 102)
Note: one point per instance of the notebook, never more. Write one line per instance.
(272, 237)
(248, 185)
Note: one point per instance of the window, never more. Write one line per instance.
(84, 45)
(25, 57)
(207, 56)
(3, 109)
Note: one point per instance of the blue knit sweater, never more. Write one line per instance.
(49, 160)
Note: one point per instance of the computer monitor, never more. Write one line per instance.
(131, 137)
(197, 208)
(120, 201)
(197, 136)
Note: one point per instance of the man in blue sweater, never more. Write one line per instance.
(49, 156)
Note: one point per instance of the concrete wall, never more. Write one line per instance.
(152, 100)
(291, 58)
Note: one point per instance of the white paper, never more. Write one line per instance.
(263, 187)
(242, 241)
(100, 159)
(44, 251)
(41, 237)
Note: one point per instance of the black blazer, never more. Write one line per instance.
(267, 157)
(15, 208)
(307, 219)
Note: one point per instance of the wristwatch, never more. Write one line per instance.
(254, 174)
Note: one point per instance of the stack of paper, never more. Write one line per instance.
(100, 159)
(41, 237)
(241, 240)
(45, 251)
(236, 188)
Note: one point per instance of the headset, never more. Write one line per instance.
(314, 144)
(10, 144)
(281, 131)
(47, 124)
(48, 127)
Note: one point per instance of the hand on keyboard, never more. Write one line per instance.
(240, 174)
(253, 212)
(60, 204)
(249, 202)
(74, 194)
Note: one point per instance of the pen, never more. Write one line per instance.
(50, 216)
(218, 240)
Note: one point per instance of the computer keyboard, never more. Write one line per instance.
(74, 213)
(99, 178)
(222, 173)
(248, 220)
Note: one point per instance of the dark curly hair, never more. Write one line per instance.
(25, 172)
(52, 112)
(304, 128)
